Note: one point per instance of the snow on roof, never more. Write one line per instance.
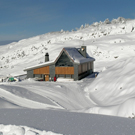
(76, 56)
(39, 65)
(72, 53)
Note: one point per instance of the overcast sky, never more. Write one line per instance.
(21, 19)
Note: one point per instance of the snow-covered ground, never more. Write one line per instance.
(112, 44)
(22, 130)
(66, 123)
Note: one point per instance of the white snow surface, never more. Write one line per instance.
(116, 85)
(111, 44)
(22, 130)
(76, 56)
(39, 65)
(67, 123)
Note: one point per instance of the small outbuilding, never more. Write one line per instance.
(72, 63)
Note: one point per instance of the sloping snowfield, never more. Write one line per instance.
(112, 44)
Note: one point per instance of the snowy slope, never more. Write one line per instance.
(114, 89)
(101, 40)
(112, 44)
(45, 95)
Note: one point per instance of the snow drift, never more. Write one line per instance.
(22, 130)
(113, 90)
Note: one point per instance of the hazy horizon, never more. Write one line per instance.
(7, 42)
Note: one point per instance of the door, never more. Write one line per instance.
(46, 77)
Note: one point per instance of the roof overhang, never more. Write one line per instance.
(39, 66)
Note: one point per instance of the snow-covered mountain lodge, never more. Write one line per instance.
(72, 63)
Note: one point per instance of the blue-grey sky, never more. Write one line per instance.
(21, 19)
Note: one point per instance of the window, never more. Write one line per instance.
(64, 61)
(64, 76)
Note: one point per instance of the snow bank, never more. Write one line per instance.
(22, 130)
(44, 95)
(61, 79)
(114, 87)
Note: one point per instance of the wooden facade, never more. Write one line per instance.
(64, 70)
(64, 66)
(42, 70)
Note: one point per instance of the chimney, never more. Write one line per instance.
(83, 51)
(46, 57)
